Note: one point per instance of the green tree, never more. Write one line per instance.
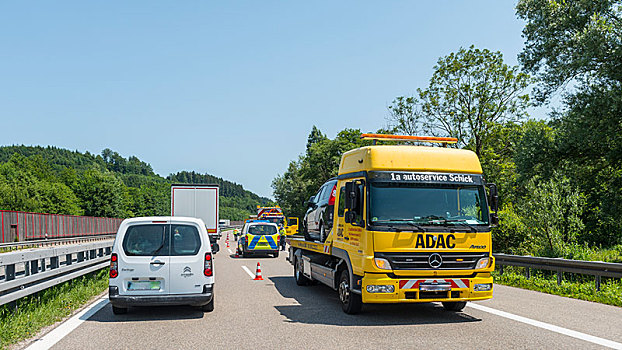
(469, 92)
(102, 194)
(553, 211)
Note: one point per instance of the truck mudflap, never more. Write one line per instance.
(379, 288)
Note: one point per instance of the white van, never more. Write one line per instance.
(161, 261)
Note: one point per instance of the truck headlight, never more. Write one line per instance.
(382, 264)
(380, 288)
(482, 287)
(481, 263)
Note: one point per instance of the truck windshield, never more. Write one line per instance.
(420, 204)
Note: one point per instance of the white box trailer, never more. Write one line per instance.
(197, 201)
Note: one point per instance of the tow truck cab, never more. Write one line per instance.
(412, 224)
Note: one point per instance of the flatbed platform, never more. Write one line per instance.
(315, 246)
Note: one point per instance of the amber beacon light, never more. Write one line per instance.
(409, 138)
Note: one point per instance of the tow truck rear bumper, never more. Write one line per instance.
(425, 289)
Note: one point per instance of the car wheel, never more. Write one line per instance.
(351, 303)
(276, 255)
(301, 279)
(454, 305)
(119, 310)
(322, 233)
(209, 307)
(305, 231)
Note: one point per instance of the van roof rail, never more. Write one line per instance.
(376, 137)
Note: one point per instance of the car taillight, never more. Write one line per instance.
(333, 194)
(207, 267)
(114, 265)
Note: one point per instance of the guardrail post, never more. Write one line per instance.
(68, 259)
(9, 271)
(527, 272)
(54, 262)
(34, 266)
(92, 254)
(42, 264)
(560, 275)
(100, 252)
(108, 250)
(501, 269)
(80, 256)
(598, 283)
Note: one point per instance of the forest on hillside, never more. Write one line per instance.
(559, 179)
(59, 181)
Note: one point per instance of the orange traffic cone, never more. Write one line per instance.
(258, 273)
(227, 243)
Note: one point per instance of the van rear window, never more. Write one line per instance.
(146, 240)
(152, 240)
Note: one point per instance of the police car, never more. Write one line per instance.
(259, 237)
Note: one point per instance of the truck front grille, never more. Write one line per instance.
(419, 260)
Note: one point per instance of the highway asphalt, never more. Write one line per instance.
(276, 313)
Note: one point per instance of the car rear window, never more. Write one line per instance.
(154, 239)
(262, 230)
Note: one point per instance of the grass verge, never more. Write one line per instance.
(578, 287)
(29, 315)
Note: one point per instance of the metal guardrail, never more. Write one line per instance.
(25, 272)
(595, 268)
(55, 241)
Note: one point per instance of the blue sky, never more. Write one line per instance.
(231, 88)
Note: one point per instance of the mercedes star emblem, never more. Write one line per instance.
(435, 260)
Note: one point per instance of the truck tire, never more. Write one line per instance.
(209, 307)
(300, 278)
(351, 303)
(454, 305)
(119, 310)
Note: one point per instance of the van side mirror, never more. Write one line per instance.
(310, 201)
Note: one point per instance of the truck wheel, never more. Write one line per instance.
(454, 305)
(351, 303)
(209, 307)
(119, 310)
(305, 231)
(301, 279)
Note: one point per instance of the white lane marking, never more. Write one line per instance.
(230, 252)
(248, 271)
(561, 330)
(48, 340)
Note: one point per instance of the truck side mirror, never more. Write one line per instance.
(493, 197)
(494, 220)
(348, 194)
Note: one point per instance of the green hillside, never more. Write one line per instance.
(60, 181)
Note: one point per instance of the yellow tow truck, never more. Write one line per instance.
(411, 224)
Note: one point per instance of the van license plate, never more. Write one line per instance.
(143, 285)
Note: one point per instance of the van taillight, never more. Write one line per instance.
(333, 194)
(207, 267)
(114, 265)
